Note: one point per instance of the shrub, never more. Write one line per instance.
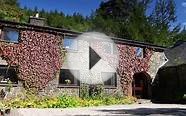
(91, 91)
(84, 91)
(63, 102)
(68, 101)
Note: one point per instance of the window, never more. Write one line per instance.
(11, 35)
(112, 81)
(139, 52)
(67, 77)
(70, 43)
(108, 48)
(8, 74)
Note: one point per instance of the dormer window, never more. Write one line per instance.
(139, 52)
(10, 34)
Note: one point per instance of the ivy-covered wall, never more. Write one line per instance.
(129, 64)
(37, 56)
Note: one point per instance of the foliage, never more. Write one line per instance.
(9, 10)
(180, 36)
(129, 19)
(121, 18)
(96, 91)
(63, 101)
(91, 91)
(57, 19)
(164, 13)
(84, 91)
(9, 85)
(161, 19)
(139, 27)
(118, 15)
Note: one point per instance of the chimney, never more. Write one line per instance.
(36, 20)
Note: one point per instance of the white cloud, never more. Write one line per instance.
(183, 4)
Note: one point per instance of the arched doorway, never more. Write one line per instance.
(141, 85)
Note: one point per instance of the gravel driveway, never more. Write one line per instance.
(115, 110)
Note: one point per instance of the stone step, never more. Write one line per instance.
(144, 101)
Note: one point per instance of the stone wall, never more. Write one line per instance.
(53, 89)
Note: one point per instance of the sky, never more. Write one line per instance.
(181, 11)
(85, 7)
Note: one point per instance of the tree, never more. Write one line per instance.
(119, 14)
(128, 19)
(9, 10)
(138, 26)
(164, 13)
(161, 19)
(55, 19)
(10, 2)
(180, 35)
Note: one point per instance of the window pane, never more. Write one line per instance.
(11, 35)
(8, 74)
(70, 43)
(112, 81)
(139, 52)
(67, 77)
(108, 48)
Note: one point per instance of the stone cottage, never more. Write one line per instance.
(33, 56)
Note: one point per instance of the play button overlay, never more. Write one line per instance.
(96, 56)
(93, 58)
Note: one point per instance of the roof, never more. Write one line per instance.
(75, 33)
(36, 27)
(139, 44)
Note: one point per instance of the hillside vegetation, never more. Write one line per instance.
(129, 19)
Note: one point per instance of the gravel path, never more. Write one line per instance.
(115, 110)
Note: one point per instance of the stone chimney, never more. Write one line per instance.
(36, 20)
